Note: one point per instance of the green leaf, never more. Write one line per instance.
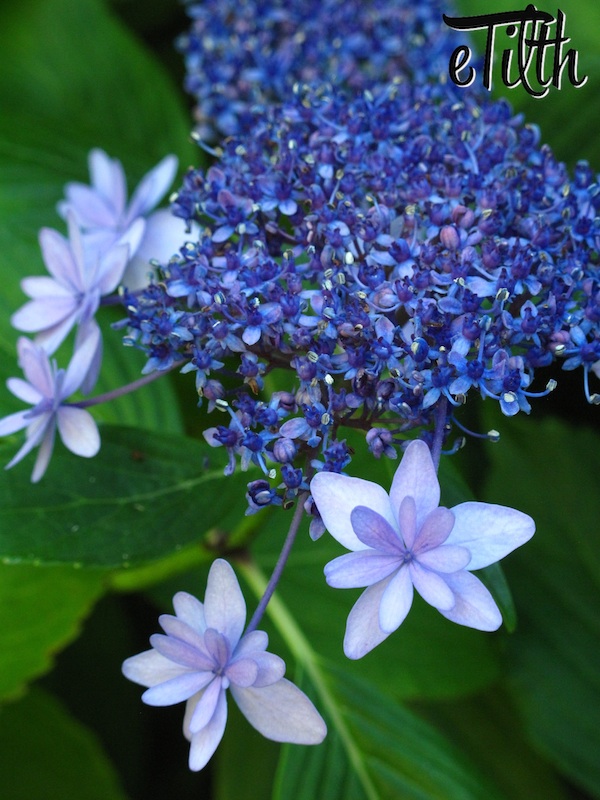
(46, 753)
(41, 610)
(144, 497)
(551, 472)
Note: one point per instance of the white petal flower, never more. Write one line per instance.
(405, 541)
(203, 654)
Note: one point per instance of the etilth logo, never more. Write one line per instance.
(537, 60)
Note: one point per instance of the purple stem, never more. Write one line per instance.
(441, 412)
(279, 566)
(130, 387)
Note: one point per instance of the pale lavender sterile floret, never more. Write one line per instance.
(46, 388)
(203, 653)
(106, 218)
(405, 541)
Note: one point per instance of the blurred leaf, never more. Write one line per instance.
(551, 472)
(41, 610)
(145, 496)
(375, 749)
(46, 753)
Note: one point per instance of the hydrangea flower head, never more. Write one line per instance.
(46, 388)
(203, 654)
(405, 541)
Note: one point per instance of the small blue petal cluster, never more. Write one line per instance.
(243, 56)
(203, 654)
(393, 253)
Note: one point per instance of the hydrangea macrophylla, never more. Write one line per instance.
(421, 250)
(242, 57)
(46, 388)
(405, 540)
(102, 213)
(72, 295)
(203, 654)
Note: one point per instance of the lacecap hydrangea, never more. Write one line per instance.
(394, 254)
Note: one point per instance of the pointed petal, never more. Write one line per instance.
(88, 207)
(111, 265)
(474, 605)
(361, 568)
(177, 628)
(177, 689)
(51, 338)
(206, 741)
(363, 631)
(45, 452)
(59, 259)
(78, 431)
(446, 558)
(435, 529)
(374, 531)
(224, 605)
(396, 601)
(416, 477)
(181, 652)
(432, 587)
(83, 357)
(41, 286)
(407, 521)
(281, 712)
(108, 180)
(44, 313)
(337, 495)
(489, 531)
(14, 422)
(190, 610)
(206, 705)
(152, 188)
(150, 668)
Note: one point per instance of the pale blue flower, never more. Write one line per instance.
(71, 296)
(203, 654)
(106, 218)
(405, 540)
(46, 388)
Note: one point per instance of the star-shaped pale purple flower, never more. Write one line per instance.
(106, 218)
(203, 654)
(405, 540)
(46, 389)
(72, 295)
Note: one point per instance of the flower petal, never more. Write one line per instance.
(206, 741)
(474, 606)
(281, 712)
(361, 568)
(152, 188)
(14, 422)
(177, 689)
(182, 652)
(78, 431)
(432, 587)
(374, 531)
(489, 531)
(108, 179)
(206, 705)
(178, 629)
(396, 601)
(242, 672)
(445, 558)
(150, 668)
(224, 604)
(337, 495)
(416, 477)
(435, 529)
(363, 631)
(190, 610)
(44, 453)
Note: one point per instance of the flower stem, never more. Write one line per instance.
(122, 390)
(441, 412)
(281, 562)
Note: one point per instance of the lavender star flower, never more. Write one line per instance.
(102, 213)
(46, 388)
(407, 540)
(203, 654)
(72, 295)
